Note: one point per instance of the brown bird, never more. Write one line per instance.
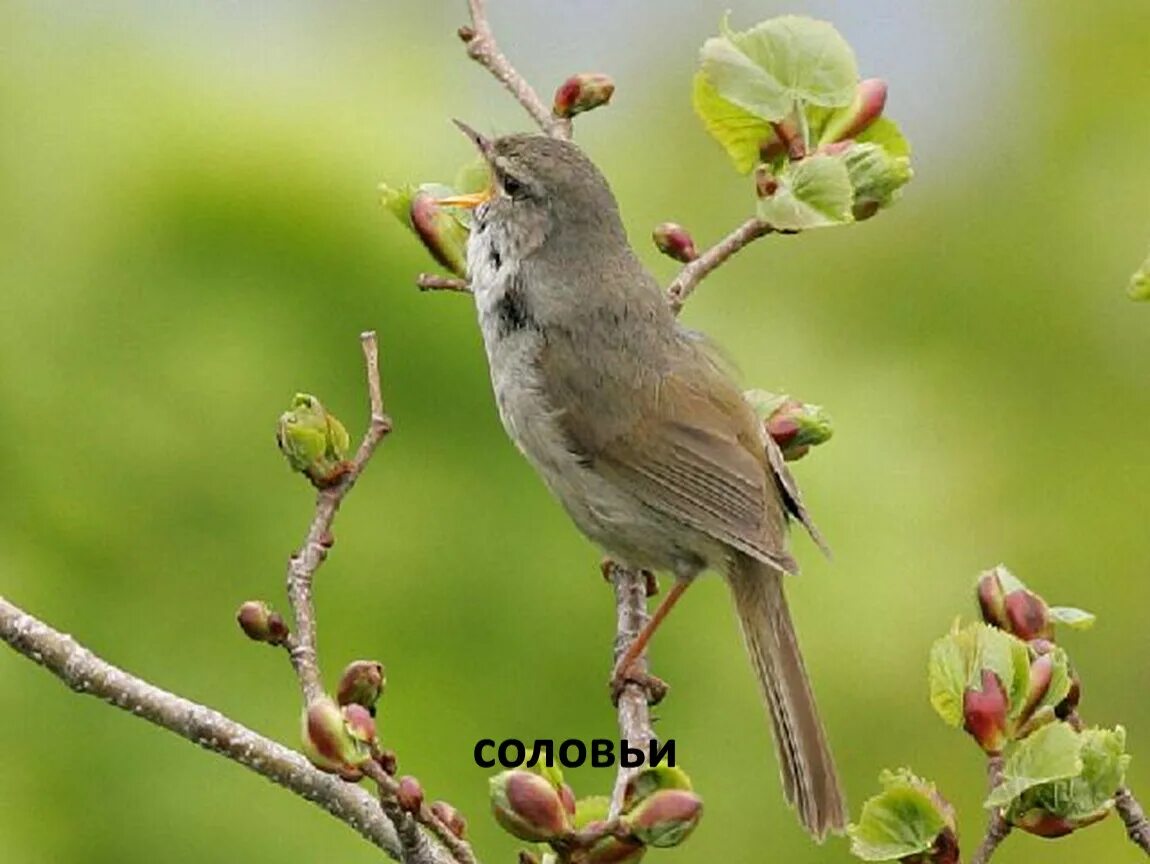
(634, 425)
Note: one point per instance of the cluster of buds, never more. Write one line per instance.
(659, 810)
(1009, 605)
(262, 624)
(338, 740)
(674, 241)
(313, 441)
(581, 93)
(795, 426)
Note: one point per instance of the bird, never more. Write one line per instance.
(636, 424)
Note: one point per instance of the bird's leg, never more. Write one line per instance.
(624, 672)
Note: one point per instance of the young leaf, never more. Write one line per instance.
(1051, 753)
(740, 132)
(905, 819)
(886, 134)
(780, 63)
(1077, 619)
(813, 193)
(957, 661)
(877, 176)
(1083, 799)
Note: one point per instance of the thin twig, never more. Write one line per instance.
(304, 563)
(482, 48)
(435, 282)
(86, 673)
(997, 828)
(388, 786)
(633, 710)
(698, 270)
(1134, 818)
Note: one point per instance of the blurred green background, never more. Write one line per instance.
(190, 232)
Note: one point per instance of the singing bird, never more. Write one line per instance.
(634, 425)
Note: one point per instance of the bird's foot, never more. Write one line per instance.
(653, 687)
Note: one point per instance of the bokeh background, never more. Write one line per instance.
(190, 232)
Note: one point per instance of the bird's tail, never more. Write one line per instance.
(808, 771)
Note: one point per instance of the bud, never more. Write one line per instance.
(674, 241)
(795, 426)
(944, 850)
(665, 818)
(984, 713)
(442, 234)
(409, 796)
(388, 761)
(567, 797)
(360, 724)
(766, 183)
(361, 683)
(581, 93)
(868, 104)
(261, 623)
(451, 818)
(326, 739)
(1043, 823)
(1009, 605)
(526, 857)
(528, 806)
(314, 442)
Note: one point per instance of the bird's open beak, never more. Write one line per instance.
(471, 199)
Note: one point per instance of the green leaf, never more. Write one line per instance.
(779, 63)
(593, 808)
(1088, 795)
(740, 133)
(886, 134)
(904, 819)
(957, 660)
(397, 199)
(1139, 288)
(1051, 753)
(1077, 619)
(813, 193)
(876, 176)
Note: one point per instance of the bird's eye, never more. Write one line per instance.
(511, 186)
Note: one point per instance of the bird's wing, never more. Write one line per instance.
(693, 458)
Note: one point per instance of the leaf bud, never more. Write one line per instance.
(360, 724)
(361, 683)
(440, 232)
(581, 93)
(313, 441)
(327, 741)
(985, 712)
(451, 818)
(665, 818)
(674, 241)
(528, 806)
(867, 106)
(261, 624)
(409, 796)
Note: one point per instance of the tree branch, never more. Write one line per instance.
(699, 269)
(633, 710)
(482, 48)
(997, 828)
(304, 563)
(436, 282)
(1134, 818)
(86, 673)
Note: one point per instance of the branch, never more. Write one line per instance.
(436, 282)
(699, 269)
(997, 829)
(86, 673)
(413, 840)
(1134, 818)
(481, 48)
(304, 563)
(633, 710)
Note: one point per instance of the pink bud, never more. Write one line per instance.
(450, 817)
(360, 724)
(868, 105)
(1027, 616)
(581, 93)
(666, 817)
(438, 229)
(567, 796)
(261, 624)
(674, 241)
(528, 806)
(410, 794)
(984, 713)
(361, 683)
